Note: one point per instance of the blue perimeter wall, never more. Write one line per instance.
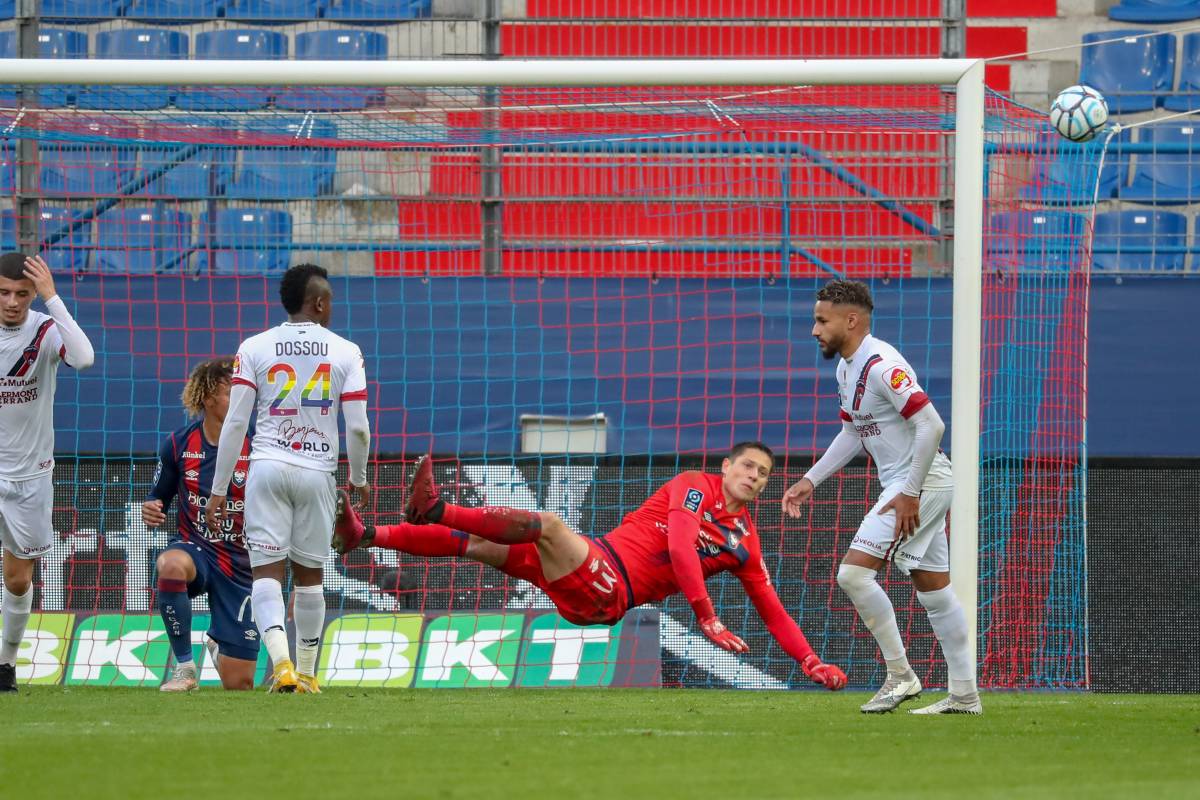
(453, 363)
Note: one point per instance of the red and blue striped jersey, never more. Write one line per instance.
(186, 462)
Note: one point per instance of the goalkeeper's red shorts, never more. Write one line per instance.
(594, 594)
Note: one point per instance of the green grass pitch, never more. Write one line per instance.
(614, 744)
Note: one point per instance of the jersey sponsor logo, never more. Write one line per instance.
(192, 474)
(693, 499)
(296, 437)
(18, 397)
(308, 348)
(899, 380)
(190, 454)
(868, 430)
(201, 501)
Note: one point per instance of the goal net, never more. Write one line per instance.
(568, 295)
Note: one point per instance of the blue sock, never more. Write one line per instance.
(176, 609)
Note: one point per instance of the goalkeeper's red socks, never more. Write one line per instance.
(495, 523)
(419, 540)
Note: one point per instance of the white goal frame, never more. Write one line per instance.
(966, 75)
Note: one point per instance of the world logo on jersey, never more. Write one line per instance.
(899, 380)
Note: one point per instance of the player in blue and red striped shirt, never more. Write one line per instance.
(200, 562)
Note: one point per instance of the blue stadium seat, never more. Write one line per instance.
(378, 10)
(287, 172)
(246, 241)
(81, 11)
(1171, 175)
(1151, 11)
(169, 11)
(1139, 228)
(52, 43)
(1037, 240)
(274, 10)
(84, 169)
(190, 170)
(134, 43)
(141, 241)
(233, 44)
(69, 251)
(339, 45)
(1187, 94)
(1132, 74)
(1069, 177)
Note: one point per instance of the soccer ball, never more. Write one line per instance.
(1078, 113)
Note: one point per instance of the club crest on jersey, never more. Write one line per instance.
(899, 379)
(693, 499)
(239, 477)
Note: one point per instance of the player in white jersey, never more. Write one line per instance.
(885, 412)
(32, 345)
(296, 376)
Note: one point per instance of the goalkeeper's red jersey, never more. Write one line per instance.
(690, 510)
(726, 542)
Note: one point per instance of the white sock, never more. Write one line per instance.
(266, 597)
(16, 617)
(875, 610)
(309, 613)
(949, 623)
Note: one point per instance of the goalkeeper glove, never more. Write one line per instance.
(827, 675)
(715, 630)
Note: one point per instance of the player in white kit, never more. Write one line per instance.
(296, 376)
(32, 345)
(885, 411)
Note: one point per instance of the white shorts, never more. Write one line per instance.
(927, 549)
(289, 513)
(25, 527)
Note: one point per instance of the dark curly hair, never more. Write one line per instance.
(851, 293)
(293, 287)
(203, 383)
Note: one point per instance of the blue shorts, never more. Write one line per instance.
(231, 624)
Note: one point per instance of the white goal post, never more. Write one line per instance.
(966, 75)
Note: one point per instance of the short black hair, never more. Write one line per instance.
(742, 447)
(293, 286)
(12, 266)
(853, 293)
